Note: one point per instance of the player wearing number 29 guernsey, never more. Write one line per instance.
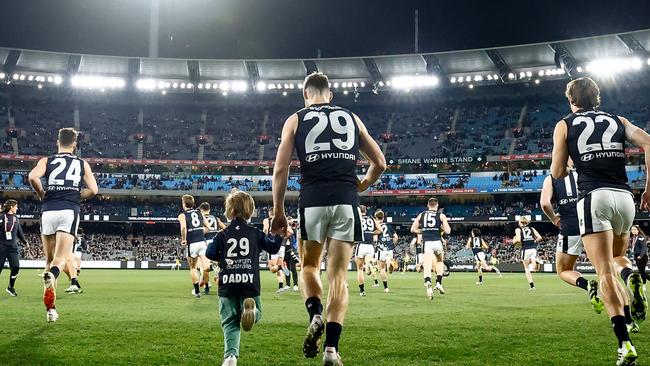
(328, 140)
(61, 196)
(595, 142)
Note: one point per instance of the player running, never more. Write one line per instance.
(386, 243)
(328, 140)
(8, 245)
(274, 262)
(61, 197)
(595, 142)
(73, 267)
(429, 224)
(639, 243)
(478, 245)
(528, 238)
(365, 250)
(193, 229)
(564, 193)
(214, 225)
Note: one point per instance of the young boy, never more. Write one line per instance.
(237, 250)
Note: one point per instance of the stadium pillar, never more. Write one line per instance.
(154, 25)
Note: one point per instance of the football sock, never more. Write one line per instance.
(582, 283)
(314, 307)
(620, 329)
(332, 334)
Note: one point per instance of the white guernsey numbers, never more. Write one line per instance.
(196, 222)
(606, 142)
(73, 173)
(527, 233)
(242, 245)
(429, 220)
(341, 123)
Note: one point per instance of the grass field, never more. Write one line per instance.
(149, 318)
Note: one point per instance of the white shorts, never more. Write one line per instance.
(364, 250)
(571, 245)
(196, 249)
(480, 256)
(529, 254)
(280, 254)
(338, 222)
(606, 209)
(419, 259)
(66, 221)
(385, 255)
(77, 255)
(435, 246)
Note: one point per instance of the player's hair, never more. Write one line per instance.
(432, 202)
(188, 201)
(317, 82)
(363, 209)
(476, 231)
(8, 205)
(379, 215)
(639, 229)
(583, 93)
(205, 206)
(239, 205)
(67, 136)
(523, 220)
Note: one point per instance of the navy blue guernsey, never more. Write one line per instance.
(565, 195)
(63, 177)
(368, 227)
(527, 238)
(386, 237)
(237, 249)
(596, 142)
(477, 245)
(213, 225)
(194, 224)
(327, 145)
(430, 226)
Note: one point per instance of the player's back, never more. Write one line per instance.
(386, 236)
(63, 176)
(212, 224)
(477, 244)
(369, 227)
(430, 225)
(194, 224)
(565, 194)
(596, 142)
(527, 238)
(327, 145)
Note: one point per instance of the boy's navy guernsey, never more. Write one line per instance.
(327, 145)
(237, 249)
(63, 177)
(430, 225)
(477, 245)
(194, 225)
(527, 238)
(386, 237)
(368, 227)
(596, 142)
(565, 194)
(11, 224)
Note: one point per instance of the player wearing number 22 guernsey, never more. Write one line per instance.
(61, 197)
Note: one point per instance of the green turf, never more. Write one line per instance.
(148, 317)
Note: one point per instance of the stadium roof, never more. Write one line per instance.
(521, 63)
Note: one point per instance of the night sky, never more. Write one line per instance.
(298, 28)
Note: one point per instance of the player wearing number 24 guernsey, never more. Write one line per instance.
(61, 197)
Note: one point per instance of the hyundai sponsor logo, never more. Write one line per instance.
(587, 157)
(312, 158)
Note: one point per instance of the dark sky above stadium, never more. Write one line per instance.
(298, 28)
